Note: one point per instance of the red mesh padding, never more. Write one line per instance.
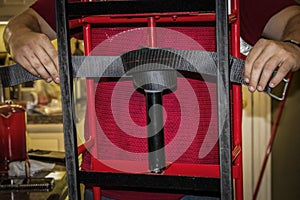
(127, 134)
(113, 141)
(204, 36)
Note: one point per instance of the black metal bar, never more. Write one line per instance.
(66, 84)
(140, 7)
(151, 181)
(224, 100)
(155, 129)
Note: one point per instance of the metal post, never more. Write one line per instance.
(156, 151)
(224, 100)
(66, 84)
(155, 129)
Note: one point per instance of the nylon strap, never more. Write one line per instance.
(202, 62)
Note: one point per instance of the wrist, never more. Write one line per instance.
(6, 37)
(294, 42)
(11, 35)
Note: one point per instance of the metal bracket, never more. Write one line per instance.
(279, 91)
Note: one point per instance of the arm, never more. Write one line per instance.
(272, 53)
(27, 38)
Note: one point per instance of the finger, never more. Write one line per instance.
(250, 59)
(268, 69)
(51, 51)
(26, 64)
(48, 65)
(282, 72)
(48, 57)
(55, 68)
(23, 60)
(257, 70)
(38, 66)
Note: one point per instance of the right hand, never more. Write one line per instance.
(35, 52)
(267, 56)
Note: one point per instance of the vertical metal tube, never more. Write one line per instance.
(224, 127)
(156, 153)
(151, 32)
(90, 89)
(66, 84)
(155, 129)
(237, 102)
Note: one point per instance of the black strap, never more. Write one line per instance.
(115, 66)
(112, 66)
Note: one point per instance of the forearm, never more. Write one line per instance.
(292, 29)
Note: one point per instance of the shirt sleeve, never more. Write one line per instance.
(256, 13)
(46, 9)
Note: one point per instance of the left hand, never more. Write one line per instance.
(267, 56)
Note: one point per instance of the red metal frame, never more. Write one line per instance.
(198, 170)
(237, 101)
(165, 17)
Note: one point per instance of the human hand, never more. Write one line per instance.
(267, 56)
(35, 52)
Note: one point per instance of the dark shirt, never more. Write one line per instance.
(254, 15)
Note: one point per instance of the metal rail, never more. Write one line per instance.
(224, 100)
(66, 84)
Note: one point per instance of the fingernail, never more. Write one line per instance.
(260, 88)
(49, 80)
(246, 80)
(57, 80)
(251, 88)
(271, 85)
